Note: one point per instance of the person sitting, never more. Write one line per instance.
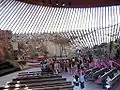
(108, 82)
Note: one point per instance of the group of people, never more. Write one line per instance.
(73, 66)
(56, 66)
(79, 79)
(51, 66)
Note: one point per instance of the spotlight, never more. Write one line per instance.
(57, 3)
(63, 4)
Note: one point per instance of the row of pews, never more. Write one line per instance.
(37, 81)
(6, 68)
(100, 75)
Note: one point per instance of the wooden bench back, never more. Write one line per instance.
(104, 77)
(115, 79)
(100, 72)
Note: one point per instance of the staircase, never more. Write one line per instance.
(6, 68)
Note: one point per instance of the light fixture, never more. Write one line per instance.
(63, 4)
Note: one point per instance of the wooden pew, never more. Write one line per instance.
(109, 73)
(36, 77)
(90, 75)
(36, 81)
(67, 87)
(99, 72)
(38, 85)
(54, 83)
(92, 70)
(114, 80)
(35, 74)
(39, 82)
(102, 79)
(95, 69)
(64, 87)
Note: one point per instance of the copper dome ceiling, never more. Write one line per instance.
(85, 27)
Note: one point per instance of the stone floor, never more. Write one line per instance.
(88, 85)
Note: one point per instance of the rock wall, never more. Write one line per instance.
(5, 43)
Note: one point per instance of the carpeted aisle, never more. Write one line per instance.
(118, 88)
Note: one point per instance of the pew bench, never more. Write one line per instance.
(38, 85)
(90, 75)
(102, 79)
(109, 73)
(95, 69)
(36, 81)
(36, 77)
(66, 87)
(34, 73)
(114, 80)
(99, 72)
(91, 70)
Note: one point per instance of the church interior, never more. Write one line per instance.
(59, 44)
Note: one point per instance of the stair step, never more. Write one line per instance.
(7, 71)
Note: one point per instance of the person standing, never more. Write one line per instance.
(82, 80)
(76, 79)
(78, 66)
(56, 67)
(70, 67)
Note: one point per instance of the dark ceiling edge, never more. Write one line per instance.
(84, 5)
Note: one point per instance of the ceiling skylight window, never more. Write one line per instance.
(93, 26)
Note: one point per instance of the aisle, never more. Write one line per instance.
(118, 88)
